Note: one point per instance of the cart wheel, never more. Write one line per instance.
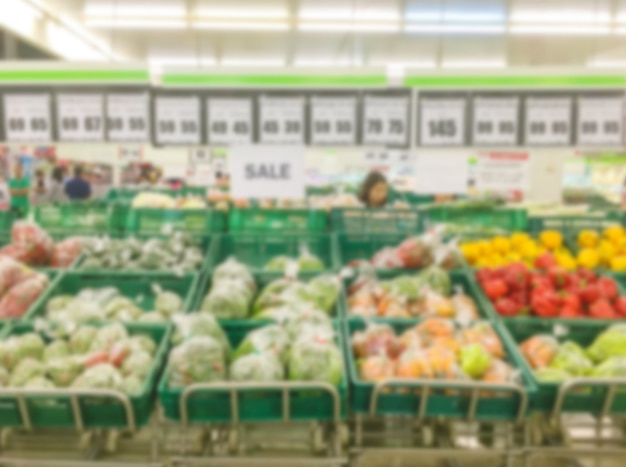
(428, 437)
(317, 439)
(233, 440)
(5, 438)
(86, 440)
(112, 441)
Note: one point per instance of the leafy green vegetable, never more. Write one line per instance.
(572, 359)
(272, 339)
(262, 366)
(200, 359)
(611, 343)
(25, 370)
(315, 360)
(167, 303)
(103, 376)
(56, 349)
(63, 371)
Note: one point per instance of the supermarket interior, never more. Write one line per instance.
(347, 233)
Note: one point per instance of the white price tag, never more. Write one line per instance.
(495, 121)
(385, 120)
(177, 120)
(230, 121)
(333, 120)
(442, 121)
(548, 121)
(27, 117)
(128, 117)
(267, 172)
(282, 120)
(600, 121)
(80, 117)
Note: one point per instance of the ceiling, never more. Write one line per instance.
(332, 33)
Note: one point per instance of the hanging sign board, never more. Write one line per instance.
(177, 120)
(281, 120)
(272, 171)
(128, 117)
(385, 120)
(442, 121)
(500, 171)
(600, 121)
(495, 121)
(80, 117)
(333, 120)
(441, 173)
(548, 121)
(229, 121)
(27, 117)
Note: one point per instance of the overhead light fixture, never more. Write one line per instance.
(243, 13)
(65, 43)
(135, 11)
(22, 18)
(252, 62)
(127, 23)
(455, 28)
(561, 16)
(241, 25)
(348, 14)
(426, 64)
(607, 64)
(322, 63)
(561, 30)
(350, 27)
(469, 64)
(620, 31)
(455, 16)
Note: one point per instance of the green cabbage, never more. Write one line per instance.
(231, 269)
(196, 325)
(611, 343)
(138, 364)
(167, 303)
(315, 360)
(143, 343)
(39, 382)
(262, 366)
(552, 375)
(277, 263)
(107, 336)
(56, 349)
(200, 359)
(227, 299)
(322, 292)
(437, 279)
(572, 359)
(307, 261)
(103, 376)
(25, 370)
(63, 371)
(613, 367)
(81, 340)
(273, 339)
(132, 386)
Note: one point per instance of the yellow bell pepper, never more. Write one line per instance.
(529, 251)
(587, 239)
(588, 258)
(607, 251)
(551, 239)
(618, 263)
(566, 261)
(501, 245)
(615, 234)
(519, 238)
(470, 252)
(484, 248)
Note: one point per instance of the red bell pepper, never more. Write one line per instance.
(590, 293)
(608, 287)
(545, 303)
(545, 261)
(602, 309)
(619, 304)
(495, 288)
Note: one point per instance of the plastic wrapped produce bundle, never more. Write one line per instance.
(21, 296)
(107, 336)
(143, 343)
(197, 325)
(65, 252)
(611, 343)
(261, 366)
(4, 376)
(63, 371)
(138, 364)
(152, 317)
(10, 353)
(132, 385)
(26, 369)
(323, 291)
(198, 360)
(572, 359)
(376, 368)
(540, 350)
(318, 360)
(272, 294)
(167, 303)
(272, 338)
(34, 243)
(277, 263)
(376, 339)
(612, 367)
(102, 376)
(307, 261)
(301, 318)
(122, 309)
(81, 340)
(227, 299)
(39, 382)
(56, 349)
(231, 269)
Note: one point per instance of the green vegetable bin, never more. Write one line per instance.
(277, 220)
(46, 409)
(6, 222)
(380, 221)
(256, 250)
(510, 219)
(197, 222)
(583, 399)
(77, 218)
(569, 226)
(449, 399)
(139, 288)
(255, 404)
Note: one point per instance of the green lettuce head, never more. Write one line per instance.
(25, 370)
(167, 303)
(81, 340)
(198, 360)
(315, 360)
(258, 366)
(552, 375)
(271, 339)
(572, 359)
(611, 343)
(613, 367)
(56, 349)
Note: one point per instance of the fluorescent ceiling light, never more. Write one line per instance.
(69, 46)
(620, 31)
(117, 10)
(22, 18)
(240, 25)
(84, 34)
(454, 16)
(123, 23)
(607, 64)
(349, 27)
(455, 28)
(243, 13)
(416, 64)
(314, 62)
(245, 62)
(561, 30)
(349, 14)
(474, 64)
(561, 16)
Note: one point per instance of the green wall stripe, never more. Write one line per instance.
(74, 76)
(273, 80)
(515, 81)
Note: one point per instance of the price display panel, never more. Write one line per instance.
(229, 120)
(442, 121)
(548, 121)
(80, 117)
(333, 120)
(177, 120)
(495, 121)
(27, 117)
(128, 117)
(600, 121)
(281, 120)
(386, 120)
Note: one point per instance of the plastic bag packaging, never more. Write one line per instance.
(196, 325)
(437, 305)
(363, 303)
(152, 317)
(436, 279)
(301, 318)
(413, 363)
(10, 353)
(322, 292)
(34, 241)
(103, 376)
(143, 343)
(387, 258)
(433, 328)
(132, 385)
(277, 263)
(39, 382)
(272, 294)
(65, 252)
(138, 364)
(500, 372)
(415, 252)
(21, 296)
(376, 368)
(271, 339)
(231, 269)
(307, 261)
(611, 343)
(613, 367)
(12, 272)
(227, 299)
(258, 366)
(200, 359)
(26, 369)
(317, 360)
(107, 336)
(572, 358)
(442, 360)
(56, 349)
(63, 371)
(464, 307)
(551, 375)
(482, 333)
(540, 350)
(81, 340)
(376, 339)
(167, 303)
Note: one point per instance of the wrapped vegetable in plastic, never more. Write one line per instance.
(33, 241)
(437, 279)
(540, 350)
(231, 269)
(442, 360)
(277, 263)
(499, 372)
(65, 252)
(227, 299)
(81, 340)
(39, 382)
(56, 349)
(198, 360)
(132, 385)
(138, 364)
(273, 339)
(376, 339)
(415, 252)
(302, 318)
(107, 336)
(413, 363)
(315, 360)
(258, 366)
(152, 317)
(465, 307)
(387, 258)
(167, 303)
(572, 358)
(307, 261)
(433, 328)
(611, 343)
(197, 325)
(12, 272)
(122, 309)
(26, 369)
(322, 292)
(143, 343)
(482, 333)
(376, 368)
(103, 376)
(475, 360)
(17, 300)
(612, 367)
(551, 375)
(63, 371)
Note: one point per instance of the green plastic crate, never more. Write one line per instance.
(262, 280)
(461, 280)
(55, 411)
(510, 219)
(138, 288)
(405, 399)
(380, 221)
(197, 222)
(569, 226)
(255, 405)
(6, 222)
(583, 399)
(255, 250)
(277, 220)
(75, 218)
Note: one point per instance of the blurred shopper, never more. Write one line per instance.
(5, 196)
(39, 189)
(78, 188)
(56, 189)
(19, 187)
(374, 190)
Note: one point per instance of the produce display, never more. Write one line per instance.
(153, 200)
(306, 261)
(203, 354)
(555, 362)
(31, 245)
(178, 252)
(20, 287)
(553, 292)
(606, 249)
(434, 348)
(426, 294)
(108, 304)
(90, 357)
